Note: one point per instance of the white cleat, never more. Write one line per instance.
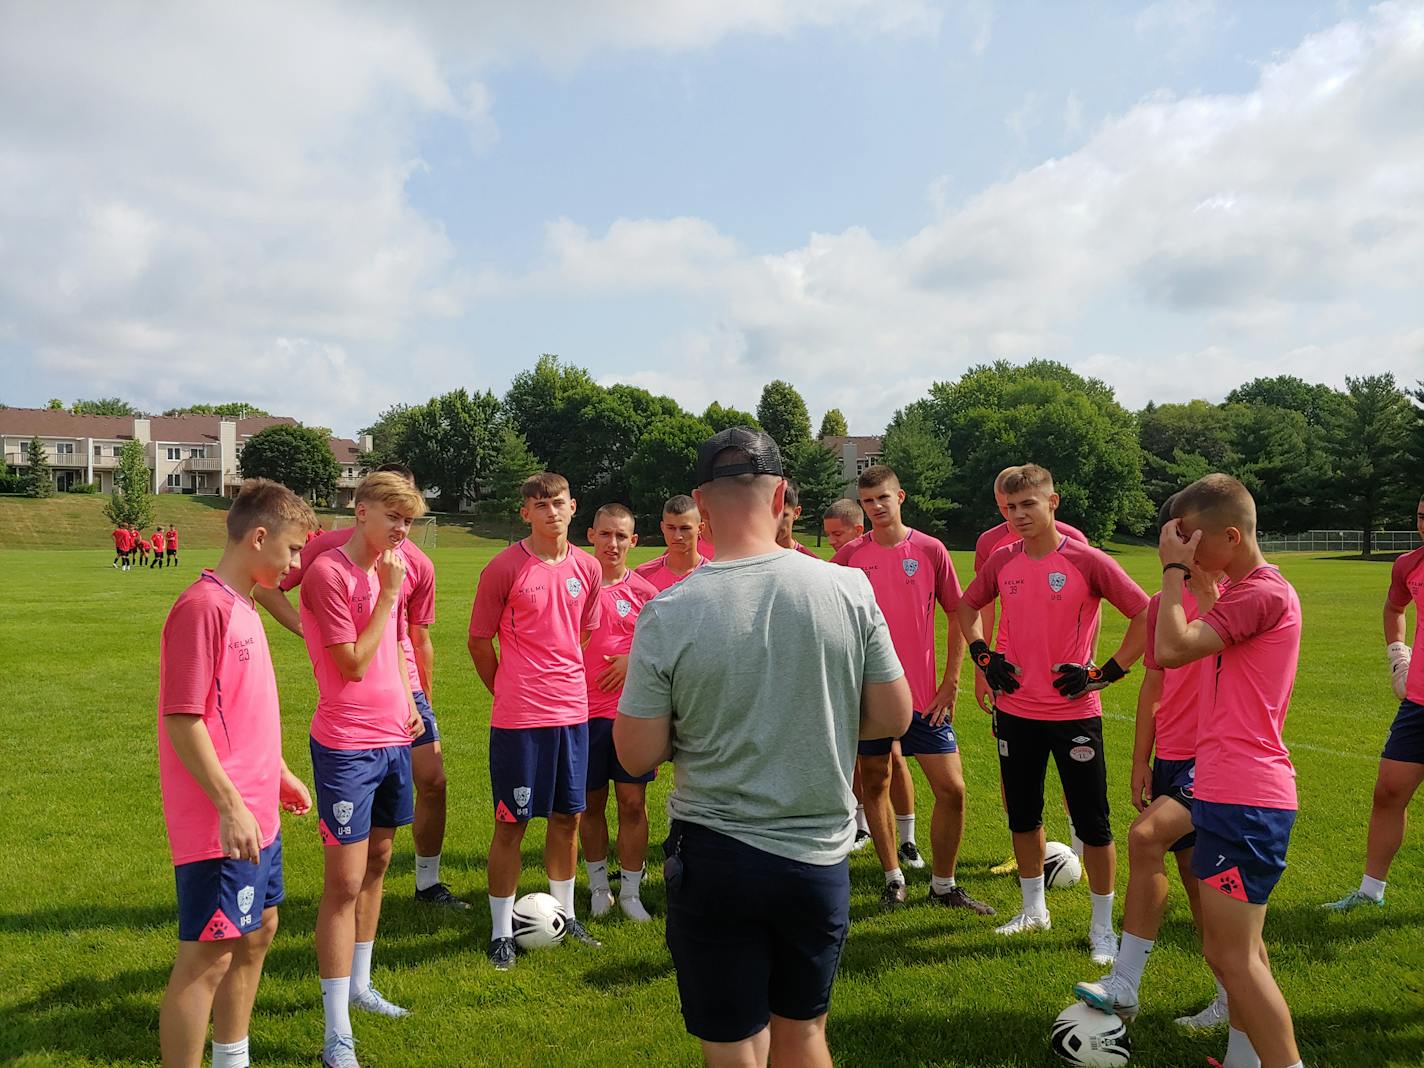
(601, 903)
(370, 1000)
(1109, 994)
(633, 908)
(1214, 1015)
(1024, 923)
(1103, 943)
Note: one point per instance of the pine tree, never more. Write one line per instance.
(38, 481)
(513, 464)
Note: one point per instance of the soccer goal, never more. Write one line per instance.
(423, 531)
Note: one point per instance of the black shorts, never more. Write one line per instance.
(751, 933)
(1076, 746)
(1406, 734)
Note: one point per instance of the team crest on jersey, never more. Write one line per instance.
(343, 811)
(910, 566)
(624, 607)
(574, 586)
(1056, 581)
(244, 899)
(522, 795)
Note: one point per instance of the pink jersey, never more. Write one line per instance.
(621, 603)
(539, 612)
(1000, 537)
(1051, 608)
(1241, 757)
(663, 577)
(336, 602)
(417, 597)
(213, 662)
(908, 579)
(1406, 583)
(802, 549)
(1175, 723)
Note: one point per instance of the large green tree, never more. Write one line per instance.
(914, 449)
(299, 457)
(664, 463)
(131, 503)
(1371, 443)
(227, 410)
(816, 471)
(782, 414)
(450, 443)
(1181, 443)
(833, 424)
(104, 406)
(38, 480)
(719, 417)
(539, 399)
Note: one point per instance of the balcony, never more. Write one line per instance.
(203, 463)
(105, 463)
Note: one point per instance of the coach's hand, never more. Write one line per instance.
(293, 794)
(1141, 786)
(999, 673)
(612, 677)
(941, 708)
(1399, 658)
(239, 836)
(390, 571)
(1075, 680)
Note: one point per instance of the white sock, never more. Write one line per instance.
(894, 875)
(1032, 891)
(1239, 1051)
(941, 886)
(1077, 845)
(1131, 959)
(1102, 911)
(361, 967)
(427, 871)
(501, 917)
(860, 824)
(632, 883)
(563, 891)
(336, 1004)
(906, 826)
(597, 874)
(1372, 888)
(1221, 994)
(231, 1054)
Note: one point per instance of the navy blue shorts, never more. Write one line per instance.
(603, 763)
(222, 898)
(357, 789)
(1406, 734)
(1241, 849)
(427, 716)
(750, 933)
(1176, 779)
(538, 770)
(919, 739)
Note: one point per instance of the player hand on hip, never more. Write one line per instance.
(1399, 657)
(390, 571)
(1001, 675)
(239, 835)
(1076, 680)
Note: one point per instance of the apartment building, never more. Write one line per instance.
(856, 454)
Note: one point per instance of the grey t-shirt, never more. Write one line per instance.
(760, 664)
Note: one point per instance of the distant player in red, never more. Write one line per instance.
(171, 541)
(605, 658)
(224, 780)
(681, 529)
(1244, 800)
(1046, 689)
(121, 546)
(157, 542)
(140, 545)
(539, 597)
(1401, 768)
(785, 531)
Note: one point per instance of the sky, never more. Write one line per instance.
(328, 208)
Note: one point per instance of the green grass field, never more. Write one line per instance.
(86, 888)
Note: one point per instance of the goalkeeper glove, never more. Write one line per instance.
(998, 671)
(1076, 680)
(1398, 654)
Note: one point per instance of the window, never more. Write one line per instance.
(64, 448)
(200, 481)
(98, 451)
(175, 480)
(24, 448)
(175, 453)
(197, 454)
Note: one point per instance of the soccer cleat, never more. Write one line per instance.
(1214, 1015)
(339, 1052)
(634, 909)
(910, 856)
(370, 1000)
(893, 896)
(601, 903)
(957, 898)
(1353, 899)
(1008, 867)
(501, 953)
(1023, 923)
(1109, 994)
(1103, 944)
(1212, 1062)
(439, 894)
(861, 837)
(579, 933)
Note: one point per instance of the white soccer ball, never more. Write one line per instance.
(539, 921)
(1061, 866)
(1084, 1036)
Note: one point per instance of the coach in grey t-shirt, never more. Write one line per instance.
(756, 675)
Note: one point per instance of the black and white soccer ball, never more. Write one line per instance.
(1091, 1039)
(1061, 866)
(539, 921)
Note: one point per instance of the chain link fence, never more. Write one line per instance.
(1340, 541)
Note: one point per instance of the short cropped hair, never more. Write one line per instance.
(264, 503)
(390, 489)
(544, 485)
(846, 511)
(1218, 501)
(999, 478)
(398, 469)
(1164, 514)
(612, 510)
(793, 496)
(877, 475)
(679, 505)
(1027, 477)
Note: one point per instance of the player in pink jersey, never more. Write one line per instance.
(623, 594)
(1401, 767)
(416, 612)
(360, 743)
(785, 529)
(911, 572)
(1167, 707)
(681, 528)
(1244, 799)
(224, 780)
(539, 597)
(1046, 689)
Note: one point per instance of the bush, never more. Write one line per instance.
(84, 487)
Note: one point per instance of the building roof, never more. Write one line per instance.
(864, 445)
(345, 450)
(198, 429)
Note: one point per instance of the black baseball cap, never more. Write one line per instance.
(763, 457)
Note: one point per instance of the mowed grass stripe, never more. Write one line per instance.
(86, 891)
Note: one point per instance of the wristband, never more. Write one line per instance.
(1183, 568)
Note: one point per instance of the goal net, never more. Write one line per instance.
(423, 531)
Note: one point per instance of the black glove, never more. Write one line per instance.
(1078, 679)
(997, 670)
